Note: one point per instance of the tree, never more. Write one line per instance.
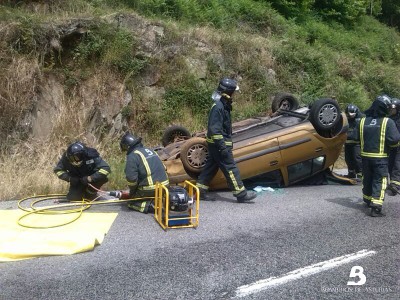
(292, 9)
(343, 11)
(374, 7)
(391, 13)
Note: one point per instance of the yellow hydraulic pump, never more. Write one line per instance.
(177, 206)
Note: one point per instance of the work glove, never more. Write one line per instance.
(132, 190)
(219, 144)
(85, 180)
(65, 177)
(74, 180)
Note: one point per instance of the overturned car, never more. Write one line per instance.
(292, 144)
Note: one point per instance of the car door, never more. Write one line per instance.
(303, 154)
(254, 156)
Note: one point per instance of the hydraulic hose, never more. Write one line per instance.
(75, 207)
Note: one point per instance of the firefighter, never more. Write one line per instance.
(394, 156)
(84, 169)
(142, 170)
(352, 151)
(376, 133)
(219, 141)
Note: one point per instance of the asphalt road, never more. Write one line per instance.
(292, 234)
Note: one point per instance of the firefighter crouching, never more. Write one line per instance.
(81, 166)
(142, 170)
(377, 133)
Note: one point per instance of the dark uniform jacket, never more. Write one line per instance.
(93, 165)
(220, 124)
(353, 127)
(396, 119)
(144, 168)
(376, 136)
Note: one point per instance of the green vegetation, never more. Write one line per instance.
(310, 48)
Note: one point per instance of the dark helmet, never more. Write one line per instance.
(396, 104)
(385, 102)
(351, 111)
(129, 140)
(76, 153)
(227, 86)
(385, 99)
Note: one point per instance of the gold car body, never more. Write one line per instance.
(297, 150)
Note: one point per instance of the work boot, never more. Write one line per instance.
(151, 209)
(248, 196)
(392, 190)
(396, 188)
(140, 206)
(148, 208)
(368, 202)
(90, 194)
(204, 195)
(376, 212)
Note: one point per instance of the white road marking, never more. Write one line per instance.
(271, 282)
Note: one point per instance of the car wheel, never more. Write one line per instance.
(284, 101)
(194, 154)
(173, 134)
(325, 114)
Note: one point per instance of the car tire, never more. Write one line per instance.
(325, 114)
(194, 155)
(284, 101)
(174, 133)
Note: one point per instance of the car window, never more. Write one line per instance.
(305, 168)
(263, 128)
(270, 179)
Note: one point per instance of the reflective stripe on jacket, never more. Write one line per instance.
(93, 165)
(144, 168)
(219, 124)
(376, 135)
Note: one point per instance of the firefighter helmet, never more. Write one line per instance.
(129, 140)
(76, 153)
(396, 104)
(227, 86)
(385, 99)
(351, 111)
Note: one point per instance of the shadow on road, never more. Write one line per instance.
(350, 202)
(219, 198)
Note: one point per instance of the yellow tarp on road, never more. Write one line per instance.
(17, 242)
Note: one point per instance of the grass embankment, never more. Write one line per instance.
(250, 41)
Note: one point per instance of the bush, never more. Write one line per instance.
(378, 78)
(111, 47)
(186, 94)
(219, 13)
